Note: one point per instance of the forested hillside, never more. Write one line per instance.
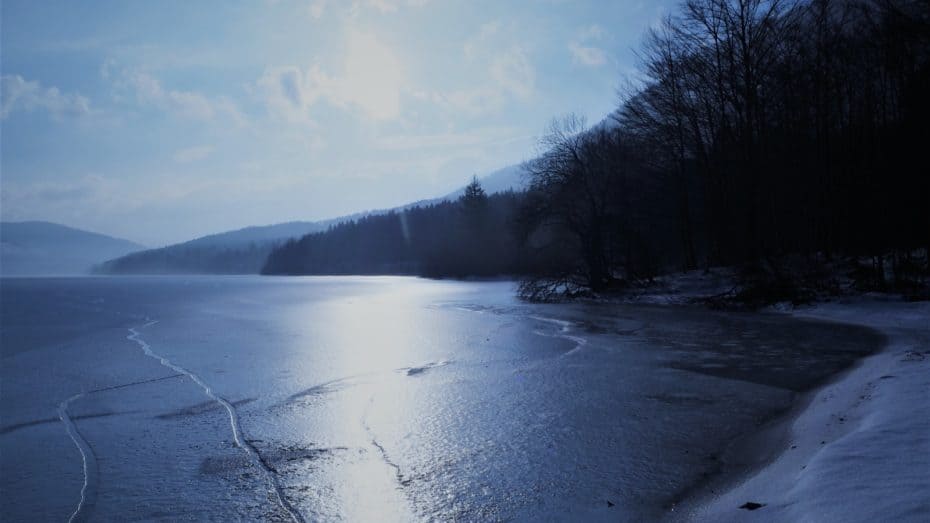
(762, 130)
(766, 128)
(473, 236)
(192, 259)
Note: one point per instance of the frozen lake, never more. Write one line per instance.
(363, 399)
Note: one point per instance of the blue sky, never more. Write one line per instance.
(163, 121)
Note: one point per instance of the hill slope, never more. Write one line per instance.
(41, 248)
(244, 251)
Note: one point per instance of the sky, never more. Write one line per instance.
(164, 121)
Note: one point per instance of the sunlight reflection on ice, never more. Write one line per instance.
(375, 342)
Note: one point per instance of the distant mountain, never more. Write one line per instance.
(42, 248)
(244, 251)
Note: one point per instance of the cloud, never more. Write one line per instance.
(148, 91)
(587, 55)
(289, 92)
(19, 94)
(371, 81)
(508, 72)
(64, 199)
(512, 71)
(582, 50)
(192, 154)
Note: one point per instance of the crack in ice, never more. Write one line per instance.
(399, 475)
(87, 455)
(234, 425)
(564, 328)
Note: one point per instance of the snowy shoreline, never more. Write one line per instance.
(855, 449)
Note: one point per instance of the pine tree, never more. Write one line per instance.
(474, 198)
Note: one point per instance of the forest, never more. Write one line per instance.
(776, 136)
(473, 236)
(192, 259)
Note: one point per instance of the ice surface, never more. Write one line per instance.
(234, 425)
(377, 399)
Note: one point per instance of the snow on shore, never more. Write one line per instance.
(860, 449)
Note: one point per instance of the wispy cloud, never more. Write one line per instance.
(64, 199)
(509, 72)
(289, 91)
(513, 72)
(371, 81)
(587, 55)
(583, 49)
(19, 94)
(148, 91)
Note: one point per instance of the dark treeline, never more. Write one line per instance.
(468, 237)
(764, 128)
(191, 259)
(762, 131)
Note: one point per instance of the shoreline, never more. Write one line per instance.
(751, 452)
(780, 466)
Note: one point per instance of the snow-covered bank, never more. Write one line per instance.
(860, 449)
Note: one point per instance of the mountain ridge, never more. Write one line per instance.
(33, 248)
(242, 251)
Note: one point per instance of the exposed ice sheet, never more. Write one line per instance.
(136, 336)
(380, 398)
(860, 450)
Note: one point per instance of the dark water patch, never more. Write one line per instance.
(782, 352)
